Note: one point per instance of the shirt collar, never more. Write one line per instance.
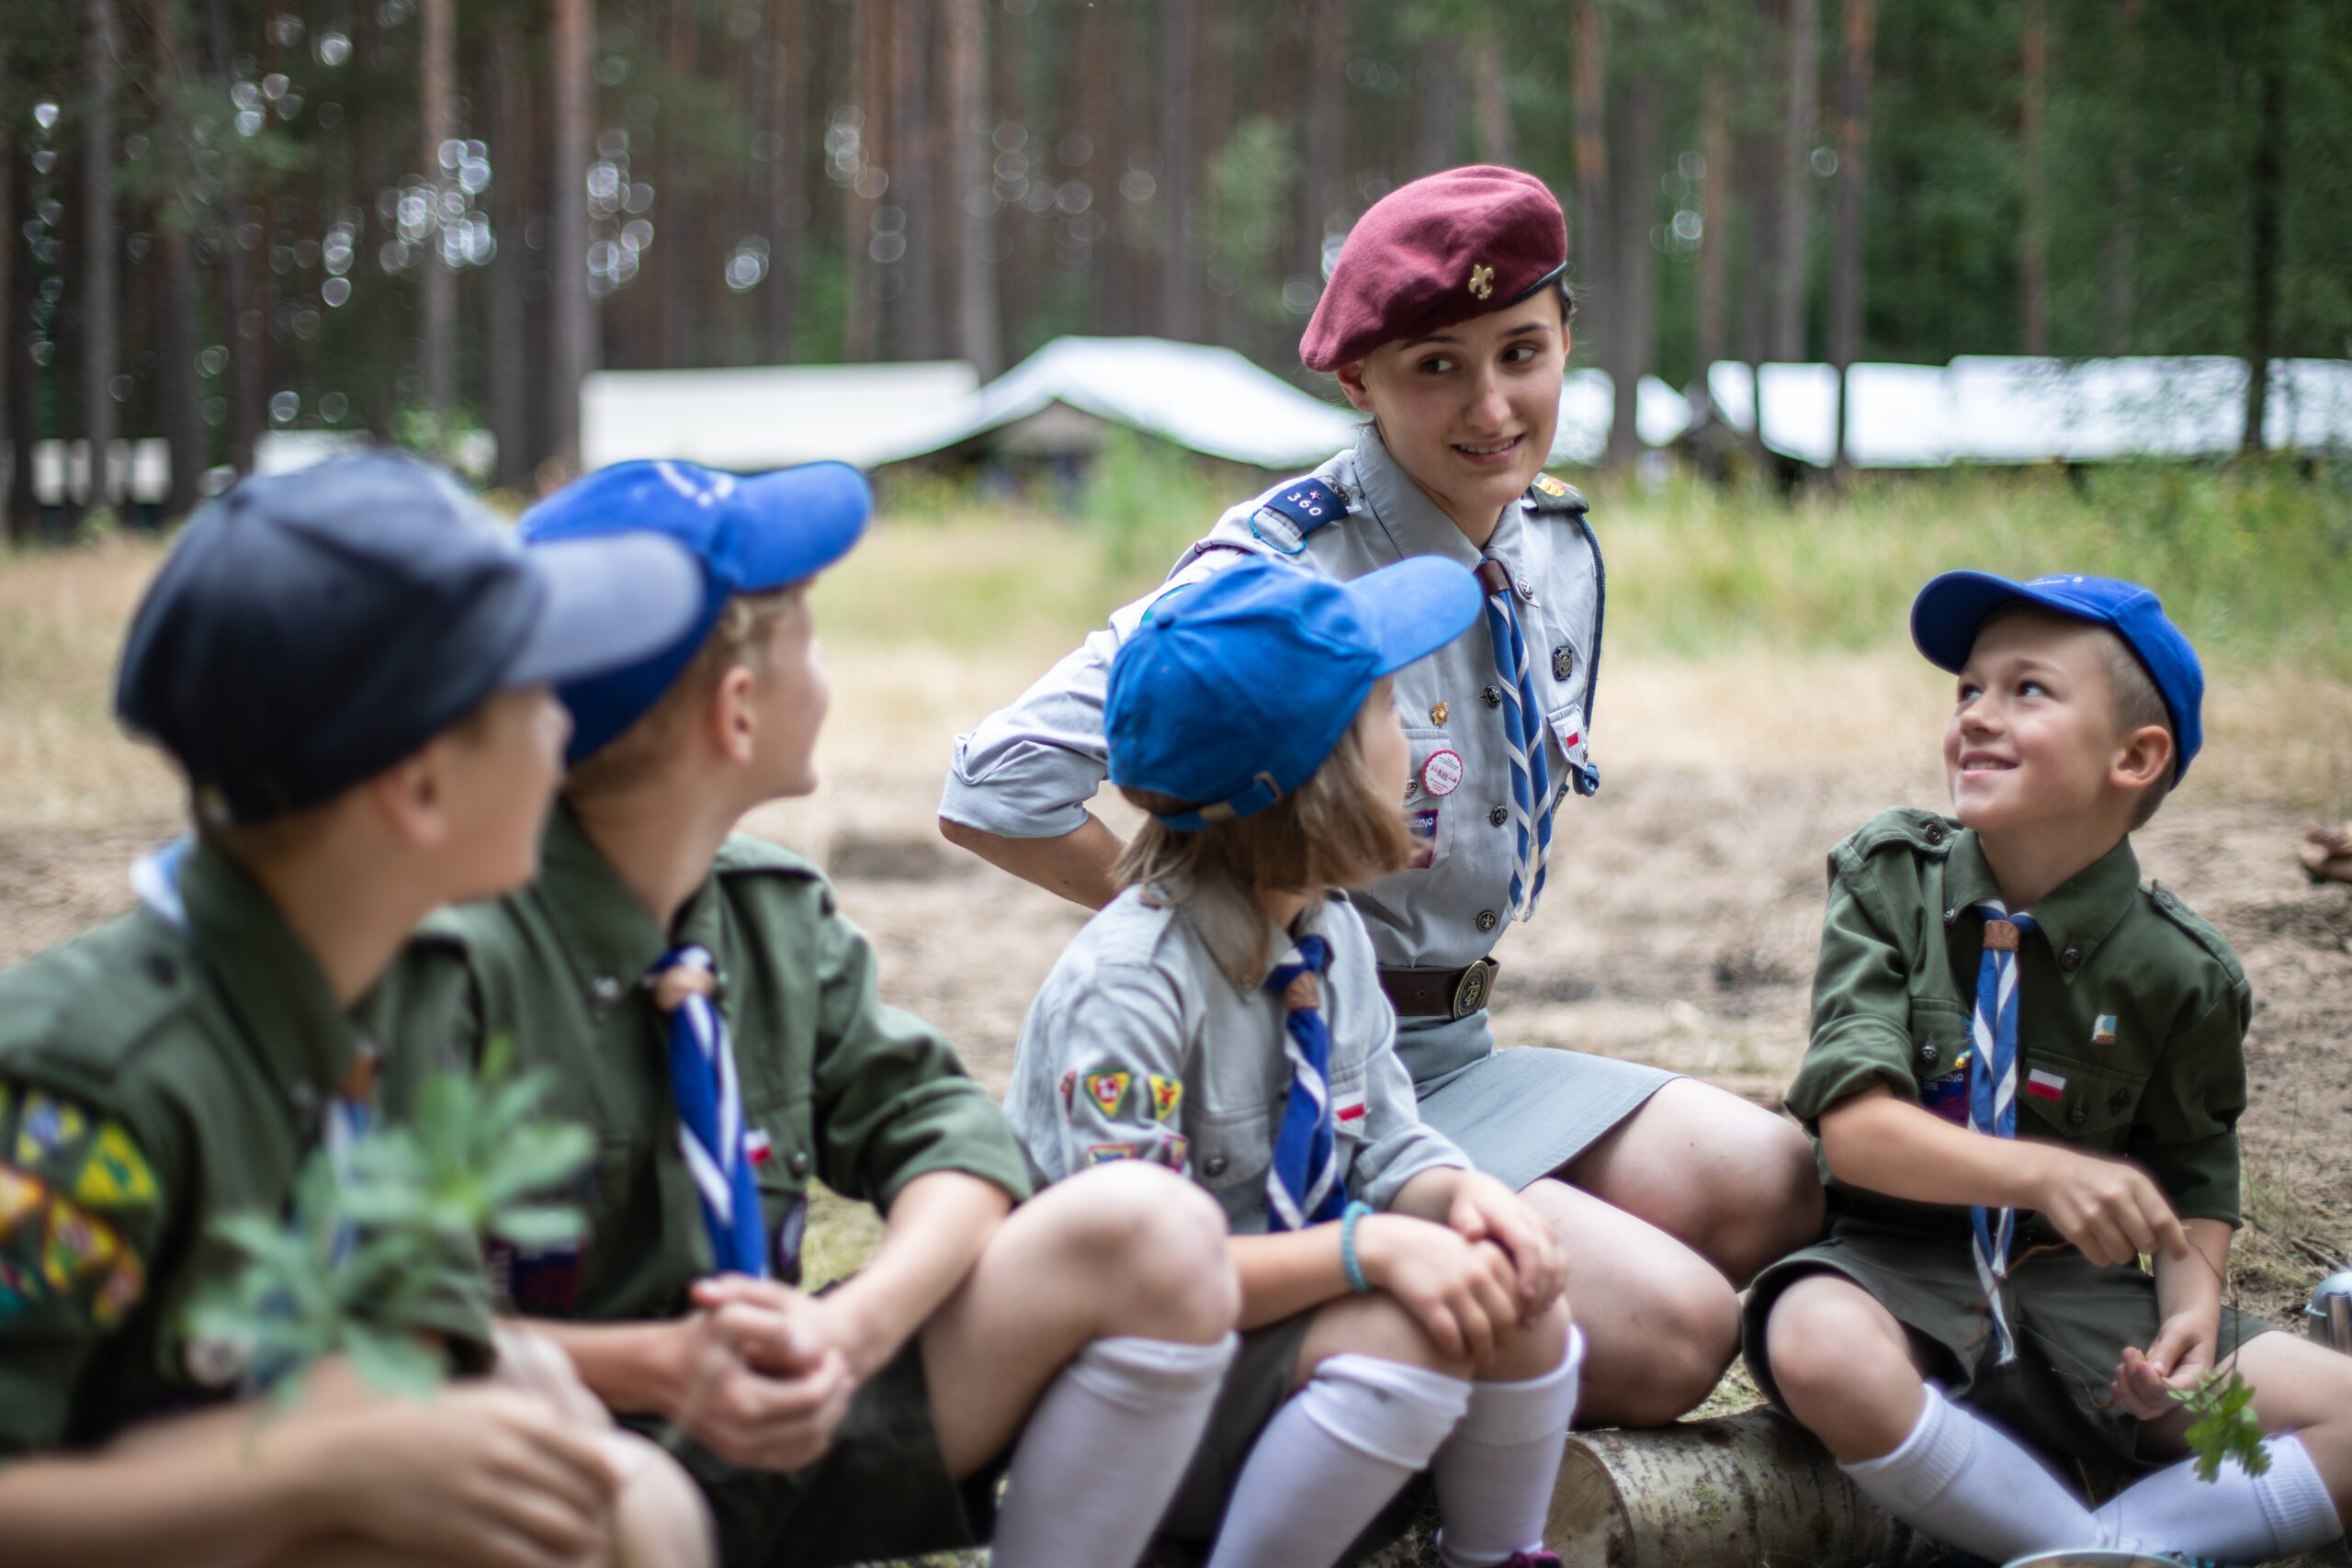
(606, 932)
(2077, 914)
(1415, 524)
(272, 983)
(1231, 927)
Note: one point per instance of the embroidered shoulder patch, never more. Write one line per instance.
(1286, 517)
(1107, 1090)
(1167, 1094)
(1103, 1154)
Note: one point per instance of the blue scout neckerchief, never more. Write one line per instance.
(710, 1116)
(1992, 1095)
(1531, 797)
(1303, 1186)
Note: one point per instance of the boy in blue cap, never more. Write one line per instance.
(1222, 1016)
(351, 665)
(712, 1016)
(2025, 1075)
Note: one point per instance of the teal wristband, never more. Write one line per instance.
(1348, 1263)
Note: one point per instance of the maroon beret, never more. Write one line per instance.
(1433, 253)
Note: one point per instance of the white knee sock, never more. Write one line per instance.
(1494, 1475)
(1103, 1450)
(1331, 1458)
(1964, 1482)
(2236, 1517)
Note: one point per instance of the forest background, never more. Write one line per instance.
(416, 217)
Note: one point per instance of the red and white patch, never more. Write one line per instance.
(2046, 1085)
(1349, 1110)
(758, 1147)
(1442, 775)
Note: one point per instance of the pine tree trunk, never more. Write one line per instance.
(2267, 182)
(2123, 179)
(1714, 213)
(505, 119)
(1438, 78)
(1859, 31)
(869, 69)
(1793, 223)
(1590, 242)
(2034, 259)
(178, 398)
(14, 405)
(1490, 89)
(911, 160)
(1630, 343)
(101, 327)
(679, 212)
(243, 328)
(1178, 298)
(572, 314)
(437, 280)
(968, 124)
(1323, 143)
(788, 115)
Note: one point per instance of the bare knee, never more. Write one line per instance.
(1154, 1243)
(660, 1519)
(1843, 1365)
(1378, 1325)
(1530, 1350)
(1654, 1358)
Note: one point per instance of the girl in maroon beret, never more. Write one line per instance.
(1446, 320)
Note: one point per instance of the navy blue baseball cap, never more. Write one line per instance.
(1233, 690)
(312, 628)
(1951, 609)
(749, 534)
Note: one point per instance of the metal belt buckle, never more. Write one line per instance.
(1470, 991)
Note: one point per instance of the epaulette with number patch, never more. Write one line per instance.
(1548, 494)
(1285, 518)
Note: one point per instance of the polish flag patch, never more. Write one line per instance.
(1348, 1111)
(2044, 1085)
(757, 1145)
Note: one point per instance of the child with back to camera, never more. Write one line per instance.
(2025, 1074)
(1222, 1016)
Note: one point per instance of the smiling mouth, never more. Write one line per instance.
(1496, 450)
(1977, 763)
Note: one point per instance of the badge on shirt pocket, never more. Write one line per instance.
(1946, 1094)
(1422, 826)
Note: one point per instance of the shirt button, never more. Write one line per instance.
(606, 989)
(2077, 1116)
(1526, 589)
(1493, 696)
(1935, 833)
(800, 1162)
(1499, 816)
(1486, 920)
(1927, 1056)
(1951, 915)
(1216, 1166)
(2071, 960)
(160, 969)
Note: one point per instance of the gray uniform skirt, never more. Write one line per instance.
(1522, 1113)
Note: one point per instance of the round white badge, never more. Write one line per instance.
(1442, 775)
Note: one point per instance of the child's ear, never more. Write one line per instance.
(412, 797)
(731, 721)
(1351, 382)
(2146, 757)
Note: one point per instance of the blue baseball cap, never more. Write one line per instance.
(1233, 690)
(1951, 609)
(310, 630)
(751, 535)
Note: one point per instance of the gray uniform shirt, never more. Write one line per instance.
(1029, 770)
(1154, 1038)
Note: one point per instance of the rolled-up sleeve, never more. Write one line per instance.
(1028, 770)
(1861, 1002)
(1397, 1144)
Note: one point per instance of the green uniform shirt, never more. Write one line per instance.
(153, 1077)
(862, 1095)
(2131, 1011)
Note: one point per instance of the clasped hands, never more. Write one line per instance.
(764, 1372)
(1490, 1265)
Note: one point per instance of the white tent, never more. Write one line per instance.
(771, 417)
(1212, 401)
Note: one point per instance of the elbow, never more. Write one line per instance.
(962, 835)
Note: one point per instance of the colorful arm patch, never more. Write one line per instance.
(78, 1203)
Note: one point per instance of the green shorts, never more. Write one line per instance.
(2072, 1319)
(1255, 1387)
(882, 1489)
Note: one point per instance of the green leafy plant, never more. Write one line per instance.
(372, 1253)
(2225, 1427)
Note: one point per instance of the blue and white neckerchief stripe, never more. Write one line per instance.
(1993, 1096)
(1532, 797)
(710, 1124)
(1303, 1185)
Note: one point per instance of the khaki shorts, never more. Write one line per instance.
(2072, 1319)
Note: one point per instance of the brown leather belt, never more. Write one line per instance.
(1438, 993)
